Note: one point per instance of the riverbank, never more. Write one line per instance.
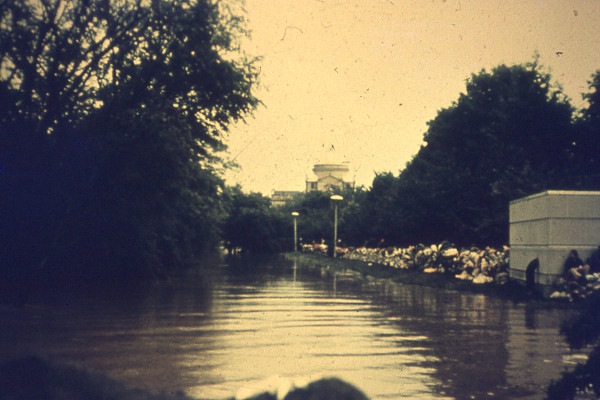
(509, 290)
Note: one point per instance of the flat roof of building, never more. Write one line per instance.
(558, 193)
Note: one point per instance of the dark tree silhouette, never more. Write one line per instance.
(110, 115)
(253, 226)
(509, 135)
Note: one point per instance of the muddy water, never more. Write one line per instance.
(392, 341)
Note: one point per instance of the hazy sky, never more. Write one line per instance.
(358, 80)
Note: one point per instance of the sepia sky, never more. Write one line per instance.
(358, 80)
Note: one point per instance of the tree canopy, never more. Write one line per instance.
(253, 226)
(587, 143)
(63, 61)
(110, 115)
(509, 135)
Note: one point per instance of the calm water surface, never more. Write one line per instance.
(392, 341)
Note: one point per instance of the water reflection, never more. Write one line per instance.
(530, 320)
(466, 333)
(390, 340)
(483, 347)
(137, 338)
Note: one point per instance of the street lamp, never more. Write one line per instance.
(336, 198)
(295, 215)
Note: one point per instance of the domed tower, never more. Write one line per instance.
(329, 177)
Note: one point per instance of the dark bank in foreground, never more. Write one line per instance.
(35, 378)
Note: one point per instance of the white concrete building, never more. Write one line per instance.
(546, 226)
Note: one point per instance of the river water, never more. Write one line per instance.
(392, 341)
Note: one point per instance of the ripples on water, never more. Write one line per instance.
(391, 341)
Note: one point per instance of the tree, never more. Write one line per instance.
(315, 222)
(253, 226)
(110, 113)
(508, 136)
(61, 60)
(378, 211)
(587, 141)
(354, 225)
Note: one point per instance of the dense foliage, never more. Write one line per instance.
(316, 216)
(110, 113)
(587, 138)
(510, 135)
(253, 226)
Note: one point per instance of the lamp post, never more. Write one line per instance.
(336, 198)
(295, 215)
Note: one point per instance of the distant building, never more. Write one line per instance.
(329, 177)
(280, 197)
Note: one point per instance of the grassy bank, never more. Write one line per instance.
(511, 291)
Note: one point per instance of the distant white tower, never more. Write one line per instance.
(329, 177)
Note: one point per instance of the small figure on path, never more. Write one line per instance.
(574, 270)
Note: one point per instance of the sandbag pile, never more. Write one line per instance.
(576, 290)
(478, 265)
(484, 266)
